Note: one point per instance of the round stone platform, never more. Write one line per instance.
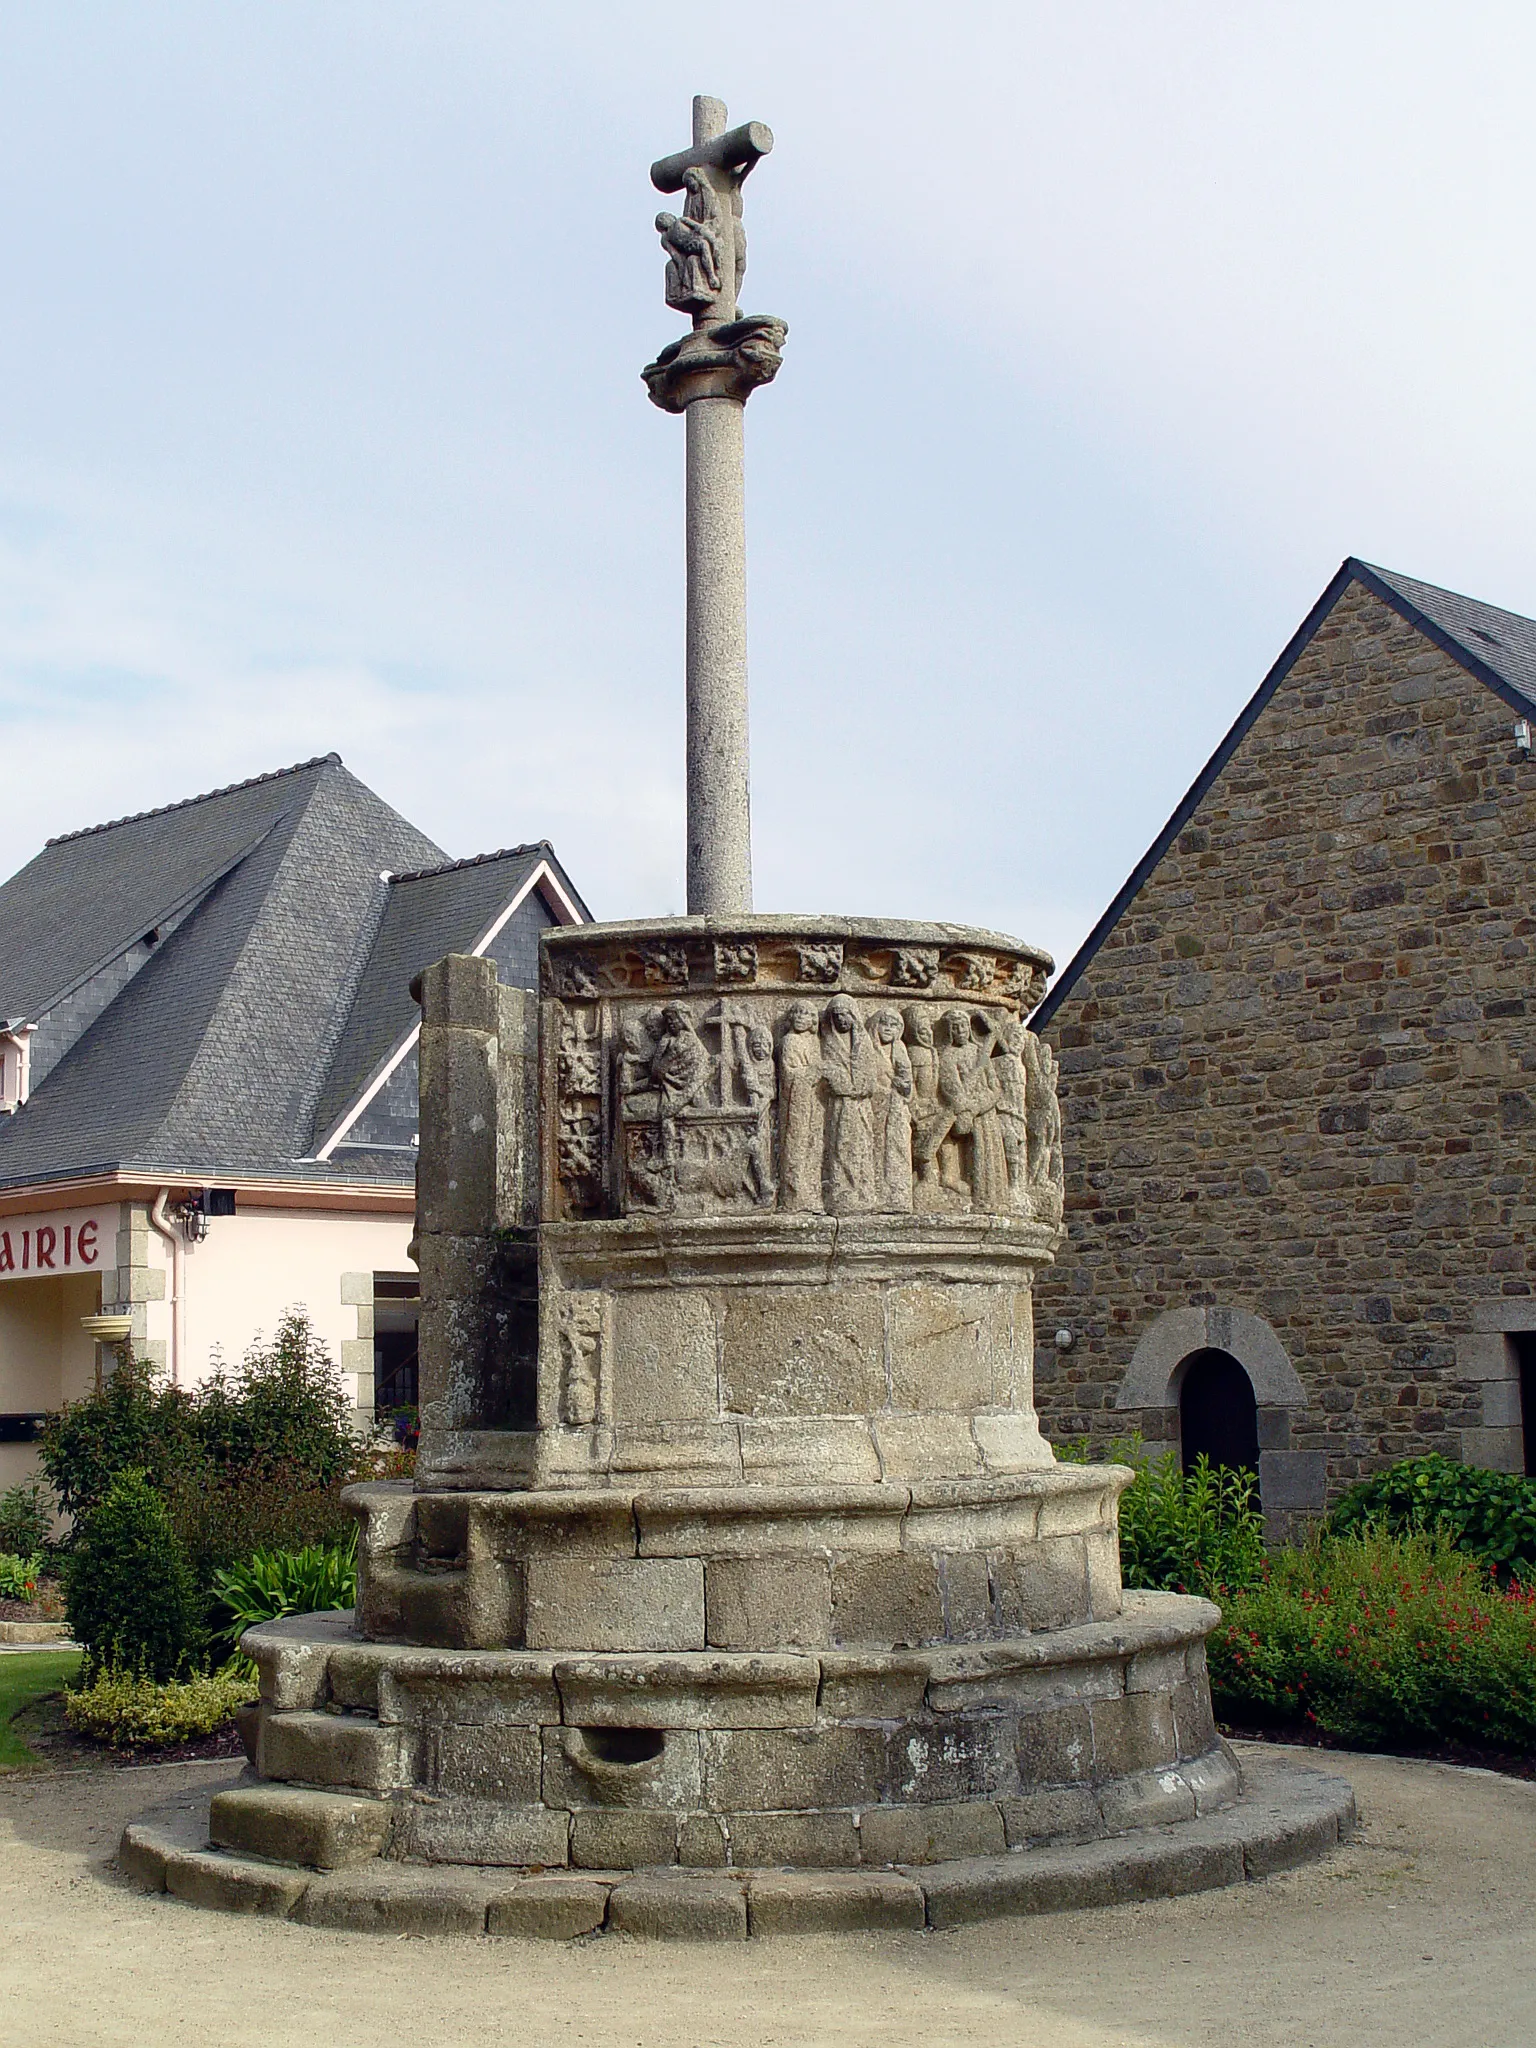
(1285, 1816)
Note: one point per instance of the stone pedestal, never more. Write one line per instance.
(735, 1545)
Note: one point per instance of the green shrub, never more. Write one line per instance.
(1492, 1515)
(130, 1594)
(284, 1413)
(26, 1518)
(278, 1582)
(285, 1406)
(19, 1577)
(128, 1710)
(1380, 1640)
(222, 1518)
(130, 1422)
(1194, 1532)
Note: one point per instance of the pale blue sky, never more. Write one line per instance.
(1113, 328)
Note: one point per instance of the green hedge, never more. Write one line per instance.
(1491, 1515)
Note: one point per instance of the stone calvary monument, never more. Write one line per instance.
(737, 1589)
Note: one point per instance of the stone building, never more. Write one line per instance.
(1298, 1073)
(208, 1078)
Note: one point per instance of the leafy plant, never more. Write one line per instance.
(26, 1518)
(282, 1416)
(223, 1517)
(1381, 1640)
(130, 1422)
(1492, 1515)
(284, 1406)
(130, 1710)
(275, 1583)
(19, 1577)
(1182, 1532)
(131, 1597)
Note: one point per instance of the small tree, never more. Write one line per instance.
(284, 1406)
(26, 1519)
(132, 1601)
(132, 1421)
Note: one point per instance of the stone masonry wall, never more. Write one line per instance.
(1299, 1077)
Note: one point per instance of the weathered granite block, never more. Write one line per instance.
(752, 1770)
(811, 1351)
(768, 1603)
(491, 1761)
(890, 1601)
(664, 1365)
(628, 1604)
(931, 1834)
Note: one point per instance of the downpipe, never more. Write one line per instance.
(161, 1222)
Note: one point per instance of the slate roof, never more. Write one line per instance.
(1497, 647)
(438, 910)
(211, 1061)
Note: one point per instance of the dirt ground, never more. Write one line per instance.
(1422, 1931)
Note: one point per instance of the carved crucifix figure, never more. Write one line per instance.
(708, 375)
(707, 248)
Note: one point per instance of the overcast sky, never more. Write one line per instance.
(1114, 327)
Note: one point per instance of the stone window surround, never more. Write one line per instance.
(357, 1352)
(1293, 1485)
(1485, 1356)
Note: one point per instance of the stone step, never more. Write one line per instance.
(292, 1824)
(1288, 1816)
(346, 1750)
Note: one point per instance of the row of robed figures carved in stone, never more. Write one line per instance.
(847, 1108)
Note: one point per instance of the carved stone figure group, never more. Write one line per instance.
(853, 1112)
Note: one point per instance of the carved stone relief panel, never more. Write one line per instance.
(720, 1073)
(581, 1359)
(578, 1107)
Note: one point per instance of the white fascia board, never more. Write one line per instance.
(547, 883)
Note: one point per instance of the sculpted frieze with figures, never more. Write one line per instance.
(750, 1080)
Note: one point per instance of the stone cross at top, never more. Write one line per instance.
(707, 375)
(707, 247)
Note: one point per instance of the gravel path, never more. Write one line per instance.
(1422, 1931)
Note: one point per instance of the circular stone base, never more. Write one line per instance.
(1287, 1815)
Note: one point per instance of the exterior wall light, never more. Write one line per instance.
(1065, 1340)
(1523, 736)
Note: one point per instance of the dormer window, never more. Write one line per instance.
(15, 1065)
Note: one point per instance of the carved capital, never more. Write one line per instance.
(725, 361)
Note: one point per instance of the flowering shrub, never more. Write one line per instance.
(19, 1577)
(132, 1711)
(1381, 1640)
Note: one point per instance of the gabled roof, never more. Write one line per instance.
(451, 908)
(213, 1053)
(1496, 647)
(89, 895)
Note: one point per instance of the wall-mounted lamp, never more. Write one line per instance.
(193, 1211)
(1065, 1340)
(1523, 736)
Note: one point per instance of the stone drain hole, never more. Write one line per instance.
(624, 1745)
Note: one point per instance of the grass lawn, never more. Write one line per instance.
(24, 1678)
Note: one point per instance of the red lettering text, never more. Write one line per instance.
(68, 1233)
(26, 1251)
(47, 1238)
(7, 1256)
(87, 1251)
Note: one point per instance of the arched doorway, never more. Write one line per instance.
(1218, 1415)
